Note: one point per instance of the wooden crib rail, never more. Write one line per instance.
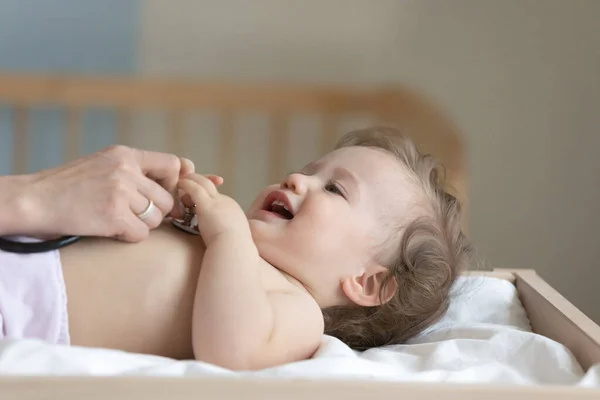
(154, 92)
(395, 106)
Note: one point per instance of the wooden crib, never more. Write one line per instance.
(331, 107)
(550, 313)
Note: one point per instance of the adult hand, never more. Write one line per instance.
(103, 194)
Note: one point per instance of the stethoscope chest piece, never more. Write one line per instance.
(188, 224)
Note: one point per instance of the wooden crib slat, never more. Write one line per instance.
(20, 121)
(124, 127)
(278, 147)
(227, 157)
(72, 136)
(175, 134)
(328, 133)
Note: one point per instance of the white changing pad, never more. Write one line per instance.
(484, 338)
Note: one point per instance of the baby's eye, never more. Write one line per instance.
(333, 188)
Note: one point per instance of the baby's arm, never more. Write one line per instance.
(237, 323)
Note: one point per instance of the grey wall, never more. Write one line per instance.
(522, 79)
(75, 36)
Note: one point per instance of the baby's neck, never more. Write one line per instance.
(290, 279)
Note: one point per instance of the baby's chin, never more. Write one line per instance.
(259, 233)
(256, 227)
(267, 243)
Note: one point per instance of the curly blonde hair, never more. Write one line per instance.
(429, 255)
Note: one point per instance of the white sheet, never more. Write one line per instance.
(484, 338)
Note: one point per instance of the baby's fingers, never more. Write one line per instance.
(195, 193)
(184, 200)
(205, 182)
(187, 201)
(216, 179)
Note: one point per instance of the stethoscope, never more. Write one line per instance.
(188, 224)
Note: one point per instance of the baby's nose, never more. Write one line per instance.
(295, 183)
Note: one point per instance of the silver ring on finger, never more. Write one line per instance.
(147, 212)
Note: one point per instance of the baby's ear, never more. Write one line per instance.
(365, 290)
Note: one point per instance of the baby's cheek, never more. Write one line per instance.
(337, 234)
(356, 233)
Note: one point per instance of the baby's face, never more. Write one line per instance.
(328, 221)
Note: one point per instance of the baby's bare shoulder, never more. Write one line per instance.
(298, 327)
(297, 318)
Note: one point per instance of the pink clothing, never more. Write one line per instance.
(33, 300)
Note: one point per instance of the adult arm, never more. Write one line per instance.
(12, 197)
(97, 195)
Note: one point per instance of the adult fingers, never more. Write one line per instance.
(187, 201)
(150, 215)
(161, 167)
(135, 229)
(187, 167)
(155, 192)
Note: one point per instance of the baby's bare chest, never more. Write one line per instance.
(134, 297)
(139, 297)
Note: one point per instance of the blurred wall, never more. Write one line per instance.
(64, 36)
(521, 78)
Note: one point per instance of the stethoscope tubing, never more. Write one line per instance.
(12, 246)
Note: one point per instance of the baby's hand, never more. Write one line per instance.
(217, 214)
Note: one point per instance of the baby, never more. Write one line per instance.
(363, 244)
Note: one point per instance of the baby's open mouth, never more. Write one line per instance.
(278, 204)
(281, 209)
